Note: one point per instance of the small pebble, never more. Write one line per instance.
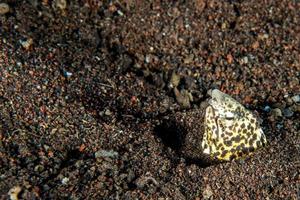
(143, 180)
(229, 58)
(267, 109)
(255, 45)
(224, 25)
(146, 72)
(245, 60)
(288, 112)
(175, 79)
(46, 187)
(158, 80)
(276, 112)
(65, 180)
(147, 59)
(295, 108)
(200, 5)
(105, 153)
(189, 83)
(207, 192)
(107, 112)
(26, 44)
(39, 168)
(4, 8)
(289, 101)
(137, 66)
(67, 74)
(120, 13)
(61, 4)
(182, 97)
(188, 59)
(279, 126)
(34, 3)
(130, 176)
(14, 193)
(296, 98)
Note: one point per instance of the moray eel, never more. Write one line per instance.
(230, 130)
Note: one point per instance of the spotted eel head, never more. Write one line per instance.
(231, 131)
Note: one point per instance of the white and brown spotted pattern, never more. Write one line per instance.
(231, 131)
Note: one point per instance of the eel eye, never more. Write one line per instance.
(229, 116)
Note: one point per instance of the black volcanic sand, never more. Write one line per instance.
(85, 92)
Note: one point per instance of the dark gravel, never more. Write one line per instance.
(87, 86)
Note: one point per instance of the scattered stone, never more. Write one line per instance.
(4, 8)
(46, 187)
(296, 98)
(207, 193)
(67, 74)
(229, 58)
(158, 80)
(280, 105)
(288, 112)
(61, 4)
(276, 112)
(255, 45)
(14, 193)
(26, 44)
(279, 126)
(120, 13)
(46, 147)
(130, 176)
(105, 153)
(245, 60)
(267, 109)
(137, 66)
(65, 180)
(182, 97)
(147, 59)
(143, 180)
(175, 79)
(39, 168)
(289, 101)
(108, 112)
(34, 3)
(296, 108)
(165, 103)
(200, 5)
(224, 25)
(189, 59)
(146, 72)
(189, 82)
